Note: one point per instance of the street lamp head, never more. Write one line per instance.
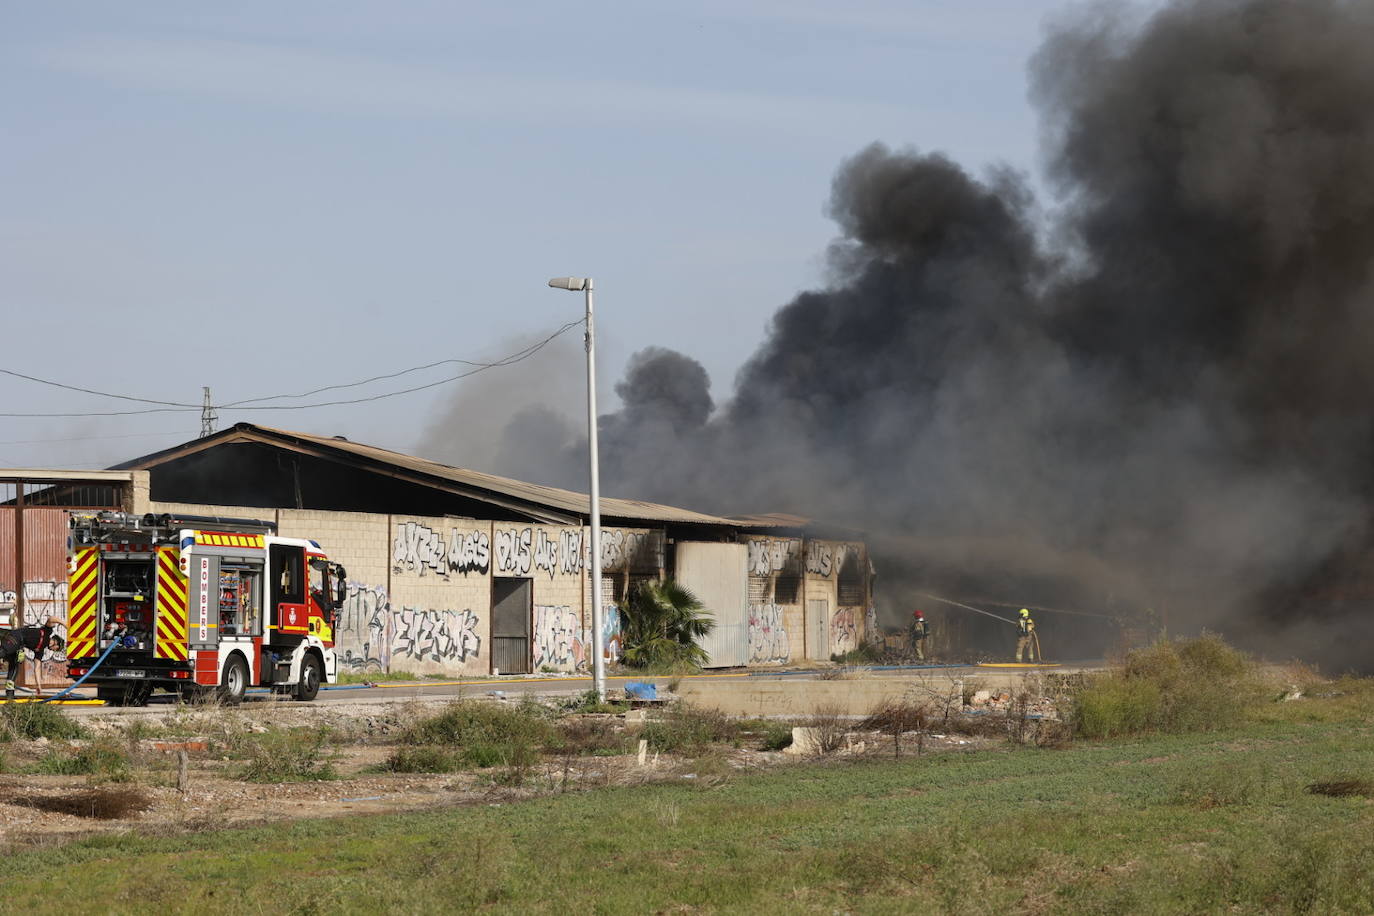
(573, 283)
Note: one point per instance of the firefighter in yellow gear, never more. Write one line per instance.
(1025, 636)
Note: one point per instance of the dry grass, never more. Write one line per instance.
(831, 726)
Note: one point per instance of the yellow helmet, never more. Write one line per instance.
(1025, 613)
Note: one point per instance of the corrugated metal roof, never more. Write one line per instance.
(565, 501)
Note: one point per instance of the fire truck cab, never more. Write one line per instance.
(194, 604)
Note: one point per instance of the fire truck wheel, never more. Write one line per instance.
(235, 682)
(309, 687)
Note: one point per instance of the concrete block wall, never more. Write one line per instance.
(846, 624)
(553, 558)
(776, 620)
(358, 541)
(440, 621)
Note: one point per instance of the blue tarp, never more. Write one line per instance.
(640, 690)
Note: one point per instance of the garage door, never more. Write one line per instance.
(718, 575)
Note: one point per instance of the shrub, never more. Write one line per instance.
(103, 760)
(1185, 685)
(777, 736)
(421, 760)
(588, 701)
(830, 726)
(287, 755)
(865, 654)
(36, 720)
(895, 718)
(588, 736)
(489, 734)
(689, 729)
(1114, 706)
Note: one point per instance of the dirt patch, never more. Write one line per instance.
(102, 803)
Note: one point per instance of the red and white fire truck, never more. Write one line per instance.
(194, 604)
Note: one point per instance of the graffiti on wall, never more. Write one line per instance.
(557, 638)
(844, 632)
(610, 632)
(871, 633)
(768, 640)
(622, 549)
(514, 553)
(570, 548)
(770, 555)
(436, 636)
(824, 557)
(360, 635)
(419, 549)
(546, 553)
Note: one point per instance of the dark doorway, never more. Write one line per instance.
(511, 607)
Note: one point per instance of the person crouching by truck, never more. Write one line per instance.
(22, 643)
(919, 632)
(1025, 636)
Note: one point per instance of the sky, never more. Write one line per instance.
(269, 198)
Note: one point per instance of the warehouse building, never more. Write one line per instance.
(457, 572)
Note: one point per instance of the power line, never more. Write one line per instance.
(177, 407)
(518, 356)
(178, 432)
(103, 394)
(504, 361)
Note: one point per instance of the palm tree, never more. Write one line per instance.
(660, 623)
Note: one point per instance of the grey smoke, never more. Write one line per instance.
(1156, 391)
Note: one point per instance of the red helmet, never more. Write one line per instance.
(919, 614)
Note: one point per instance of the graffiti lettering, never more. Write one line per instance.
(436, 636)
(557, 638)
(823, 557)
(546, 553)
(513, 550)
(844, 634)
(769, 555)
(622, 549)
(768, 641)
(570, 549)
(468, 551)
(360, 635)
(418, 548)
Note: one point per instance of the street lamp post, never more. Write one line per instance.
(598, 637)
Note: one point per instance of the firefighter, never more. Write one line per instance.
(23, 643)
(1025, 632)
(918, 634)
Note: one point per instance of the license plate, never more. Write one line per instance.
(130, 672)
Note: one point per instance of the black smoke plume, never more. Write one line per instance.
(1153, 393)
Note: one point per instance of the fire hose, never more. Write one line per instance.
(114, 644)
(968, 607)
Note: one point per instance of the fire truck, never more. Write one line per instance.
(198, 604)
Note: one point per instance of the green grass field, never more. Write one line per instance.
(1219, 822)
